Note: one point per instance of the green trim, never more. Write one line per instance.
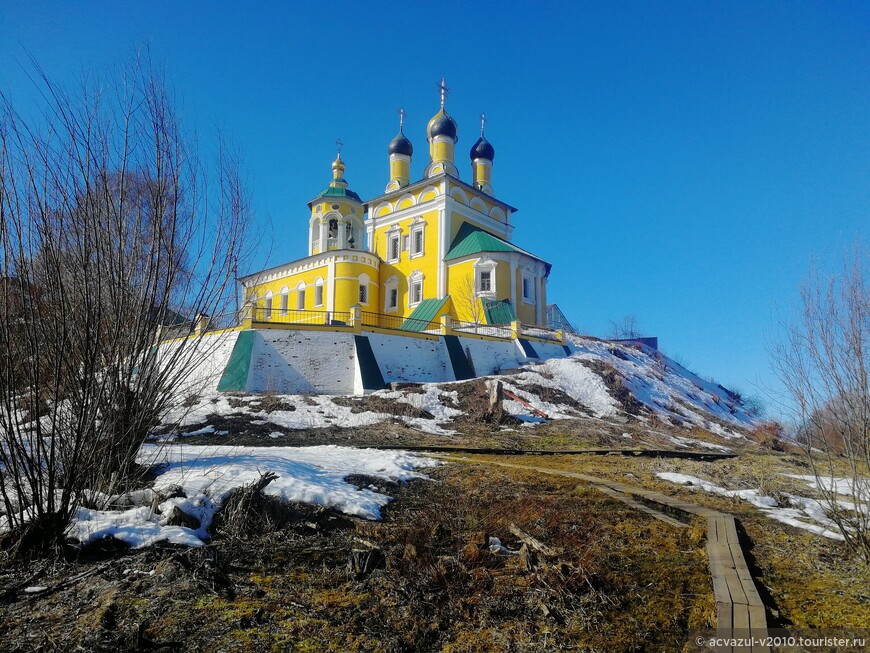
(235, 376)
(426, 311)
(498, 312)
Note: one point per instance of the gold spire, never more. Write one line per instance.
(338, 164)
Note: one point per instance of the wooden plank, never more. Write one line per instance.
(724, 623)
(720, 590)
(731, 529)
(741, 626)
(735, 587)
(641, 507)
(758, 623)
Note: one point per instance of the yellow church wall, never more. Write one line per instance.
(291, 282)
(526, 312)
(405, 201)
(347, 281)
(460, 286)
(427, 264)
(427, 196)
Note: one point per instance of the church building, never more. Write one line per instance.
(421, 250)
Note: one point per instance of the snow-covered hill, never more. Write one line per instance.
(612, 381)
(616, 378)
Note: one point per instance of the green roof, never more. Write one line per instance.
(426, 312)
(498, 312)
(338, 191)
(473, 240)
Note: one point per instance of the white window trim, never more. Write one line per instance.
(527, 278)
(285, 294)
(300, 297)
(414, 279)
(394, 233)
(485, 265)
(391, 284)
(318, 289)
(267, 306)
(418, 225)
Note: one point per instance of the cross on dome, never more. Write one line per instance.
(444, 91)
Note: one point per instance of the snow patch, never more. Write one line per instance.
(208, 475)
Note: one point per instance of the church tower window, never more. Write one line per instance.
(332, 233)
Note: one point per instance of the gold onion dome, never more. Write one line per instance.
(338, 167)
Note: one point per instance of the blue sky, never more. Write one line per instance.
(682, 162)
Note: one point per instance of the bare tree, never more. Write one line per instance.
(111, 225)
(627, 329)
(468, 300)
(823, 361)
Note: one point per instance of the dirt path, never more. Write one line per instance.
(738, 605)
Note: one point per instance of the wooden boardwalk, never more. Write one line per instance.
(738, 605)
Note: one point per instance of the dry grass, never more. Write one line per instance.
(621, 582)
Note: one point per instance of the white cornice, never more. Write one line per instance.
(311, 262)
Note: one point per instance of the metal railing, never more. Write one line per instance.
(539, 332)
(492, 330)
(296, 316)
(398, 323)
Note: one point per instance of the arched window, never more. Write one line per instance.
(332, 232)
(484, 278)
(363, 296)
(318, 292)
(285, 293)
(267, 306)
(391, 294)
(300, 297)
(415, 288)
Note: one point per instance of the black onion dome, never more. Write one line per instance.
(442, 125)
(482, 149)
(401, 145)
